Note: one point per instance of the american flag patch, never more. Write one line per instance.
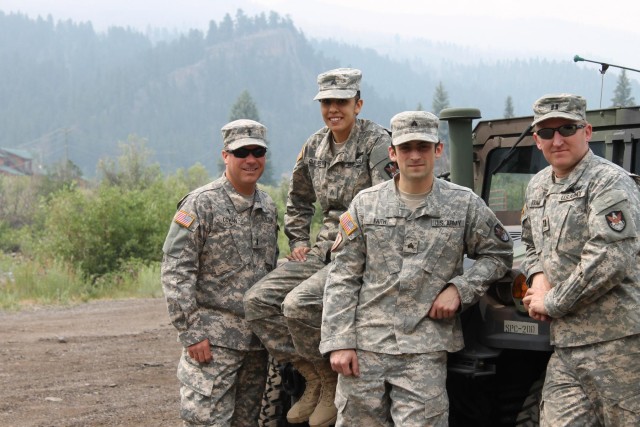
(347, 223)
(183, 218)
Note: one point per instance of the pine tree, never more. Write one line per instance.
(245, 108)
(622, 94)
(439, 103)
(508, 108)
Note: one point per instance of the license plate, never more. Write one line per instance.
(515, 327)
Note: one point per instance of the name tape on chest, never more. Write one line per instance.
(438, 222)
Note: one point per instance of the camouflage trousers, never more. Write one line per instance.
(395, 389)
(593, 385)
(226, 392)
(284, 309)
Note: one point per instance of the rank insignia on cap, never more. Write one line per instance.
(501, 233)
(347, 223)
(183, 218)
(616, 221)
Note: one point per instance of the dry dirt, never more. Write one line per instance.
(104, 363)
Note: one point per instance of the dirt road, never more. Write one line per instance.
(105, 363)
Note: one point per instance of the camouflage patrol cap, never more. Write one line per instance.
(414, 126)
(563, 105)
(341, 83)
(243, 132)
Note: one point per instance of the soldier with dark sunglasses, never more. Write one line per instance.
(222, 239)
(581, 230)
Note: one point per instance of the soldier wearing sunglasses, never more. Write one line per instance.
(284, 309)
(222, 239)
(580, 227)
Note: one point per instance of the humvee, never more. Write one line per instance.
(497, 378)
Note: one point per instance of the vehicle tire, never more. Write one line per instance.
(529, 415)
(275, 401)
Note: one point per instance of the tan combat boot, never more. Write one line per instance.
(325, 413)
(303, 408)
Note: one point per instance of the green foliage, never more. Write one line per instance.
(132, 169)
(508, 108)
(440, 102)
(28, 282)
(622, 94)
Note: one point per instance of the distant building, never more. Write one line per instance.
(15, 162)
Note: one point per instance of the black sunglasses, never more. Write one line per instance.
(564, 130)
(243, 152)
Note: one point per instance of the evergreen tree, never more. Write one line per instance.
(439, 103)
(245, 108)
(508, 108)
(622, 94)
(419, 107)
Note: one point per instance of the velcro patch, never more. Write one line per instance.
(183, 218)
(616, 221)
(336, 243)
(347, 223)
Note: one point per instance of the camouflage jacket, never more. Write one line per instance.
(582, 233)
(333, 180)
(394, 263)
(216, 248)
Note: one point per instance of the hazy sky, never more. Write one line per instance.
(554, 29)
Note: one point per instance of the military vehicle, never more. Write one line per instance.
(496, 380)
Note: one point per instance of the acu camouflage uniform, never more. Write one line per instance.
(332, 180)
(219, 244)
(582, 233)
(393, 264)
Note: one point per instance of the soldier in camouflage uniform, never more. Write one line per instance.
(581, 225)
(221, 241)
(397, 284)
(284, 309)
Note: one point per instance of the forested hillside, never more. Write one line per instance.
(68, 92)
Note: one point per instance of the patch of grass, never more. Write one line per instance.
(25, 282)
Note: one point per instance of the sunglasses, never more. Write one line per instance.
(243, 152)
(564, 130)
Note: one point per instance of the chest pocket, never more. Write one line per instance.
(444, 249)
(570, 215)
(380, 243)
(220, 254)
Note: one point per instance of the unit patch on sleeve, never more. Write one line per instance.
(183, 218)
(347, 223)
(501, 233)
(616, 221)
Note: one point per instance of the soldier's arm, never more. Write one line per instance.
(342, 285)
(179, 273)
(607, 257)
(531, 264)
(380, 165)
(488, 243)
(300, 208)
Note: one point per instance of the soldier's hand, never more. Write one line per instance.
(538, 281)
(200, 352)
(533, 302)
(446, 304)
(299, 254)
(345, 362)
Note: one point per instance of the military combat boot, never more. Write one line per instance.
(303, 408)
(325, 413)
